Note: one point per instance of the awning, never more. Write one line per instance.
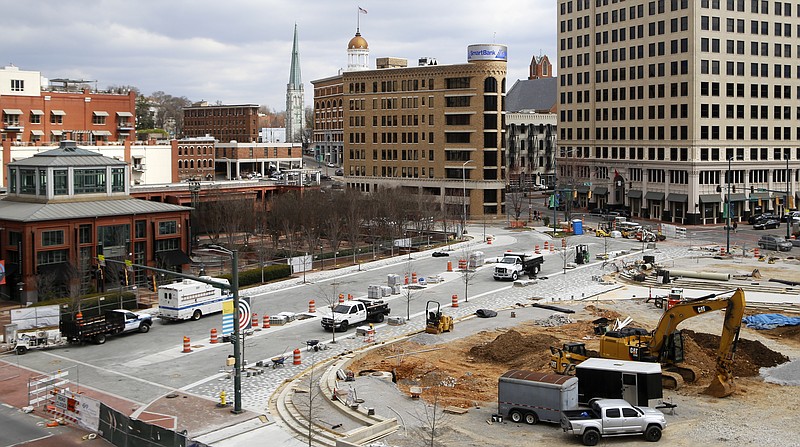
(58, 112)
(582, 189)
(710, 198)
(173, 257)
(12, 111)
(37, 112)
(653, 195)
(57, 132)
(634, 194)
(101, 133)
(100, 113)
(675, 197)
(738, 197)
(759, 195)
(37, 132)
(124, 114)
(600, 191)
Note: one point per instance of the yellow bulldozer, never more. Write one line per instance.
(435, 322)
(665, 344)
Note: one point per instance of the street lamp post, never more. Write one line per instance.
(786, 203)
(727, 209)
(464, 194)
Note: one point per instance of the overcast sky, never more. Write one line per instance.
(239, 51)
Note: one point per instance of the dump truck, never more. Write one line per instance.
(97, 329)
(353, 312)
(515, 264)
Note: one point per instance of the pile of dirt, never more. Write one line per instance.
(511, 346)
(749, 358)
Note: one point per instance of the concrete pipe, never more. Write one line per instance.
(701, 275)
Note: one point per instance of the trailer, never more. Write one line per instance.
(639, 383)
(190, 299)
(535, 396)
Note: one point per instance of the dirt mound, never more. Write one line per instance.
(512, 345)
(749, 358)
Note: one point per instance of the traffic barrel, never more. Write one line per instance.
(266, 322)
(414, 278)
(756, 254)
(297, 359)
(449, 266)
(341, 298)
(462, 264)
(214, 336)
(187, 345)
(254, 321)
(406, 280)
(455, 301)
(537, 250)
(546, 245)
(312, 307)
(349, 297)
(489, 240)
(722, 251)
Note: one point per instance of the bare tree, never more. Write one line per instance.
(515, 200)
(334, 222)
(433, 421)
(315, 211)
(468, 273)
(351, 202)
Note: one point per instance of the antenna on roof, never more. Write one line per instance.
(494, 36)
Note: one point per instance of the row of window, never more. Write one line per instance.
(201, 150)
(84, 181)
(52, 238)
(678, 154)
(189, 164)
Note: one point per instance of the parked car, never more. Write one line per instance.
(791, 216)
(772, 242)
(339, 172)
(754, 219)
(767, 224)
(440, 254)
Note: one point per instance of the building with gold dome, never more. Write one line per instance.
(432, 129)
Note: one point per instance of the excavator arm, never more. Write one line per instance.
(722, 384)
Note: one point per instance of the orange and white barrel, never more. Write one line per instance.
(297, 359)
(312, 307)
(266, 322)
(214, 336)
(187, 344)
(455, 301)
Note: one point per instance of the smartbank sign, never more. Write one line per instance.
(487, 52)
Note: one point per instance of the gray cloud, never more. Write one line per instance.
(238, 51)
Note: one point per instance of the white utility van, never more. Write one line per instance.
(190, 299)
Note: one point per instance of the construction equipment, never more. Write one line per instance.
(564, 359)
(435, 322)
(582, 254)
(602, 232)
(665, 344)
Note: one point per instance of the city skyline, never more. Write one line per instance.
(235, 53)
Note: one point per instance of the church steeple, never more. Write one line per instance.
(294, 71)
(295, 106)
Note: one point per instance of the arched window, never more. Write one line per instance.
(490, 85)
(180, 164)
(503, 89)
(191, 164)
(191, 150)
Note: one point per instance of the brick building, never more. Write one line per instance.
(68, 205)
(225, 123)
(435, 129)
(37, 112)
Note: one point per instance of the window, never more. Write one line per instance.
(17, 85)
(117, 179)
(27, 181)
(99, 118)
(455, 83)
(87, 181)
(60, 182)
(140, 229)
(52, 237)
(85, 234)
(168, 227)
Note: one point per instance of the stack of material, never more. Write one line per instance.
(288, 316)
(395, 321)
(277, 320)
(385, 291)
(374, 291)
(394, 280)
(554, 320)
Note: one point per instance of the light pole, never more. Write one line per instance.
(727, 209)
(464, 193)
(786, 203)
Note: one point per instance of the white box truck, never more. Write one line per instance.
(190, 299)
(534, 396)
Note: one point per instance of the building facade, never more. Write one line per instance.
(672, 108)
(68, 205)
(295, 99)
(328, 132)
(35, 111)
(195, 158)
(225, 123)
(433, 129)
(531, 129)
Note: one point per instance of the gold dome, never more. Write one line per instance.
(358, 43)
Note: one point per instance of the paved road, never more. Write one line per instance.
(143, 367)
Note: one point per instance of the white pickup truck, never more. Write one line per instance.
(513, 265)
(351, 313)
(613, 417)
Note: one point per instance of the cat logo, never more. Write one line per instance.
(701, 309)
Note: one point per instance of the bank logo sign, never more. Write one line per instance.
(487, 52)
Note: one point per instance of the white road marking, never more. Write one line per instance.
(127, 376)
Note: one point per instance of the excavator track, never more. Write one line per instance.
(671, 380)
(687, 372)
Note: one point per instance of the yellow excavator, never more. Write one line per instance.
(665, 344)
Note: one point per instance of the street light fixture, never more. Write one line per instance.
(727, 209)
(464, 193)
(786, 202)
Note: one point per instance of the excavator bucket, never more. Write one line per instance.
(720, 387)
(756, 274)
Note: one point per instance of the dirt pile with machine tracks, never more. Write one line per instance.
(465, 371)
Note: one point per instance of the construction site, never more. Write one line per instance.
(458, 375)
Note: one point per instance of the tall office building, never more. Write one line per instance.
(673, 107)
(435, 129)
(295, 107)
